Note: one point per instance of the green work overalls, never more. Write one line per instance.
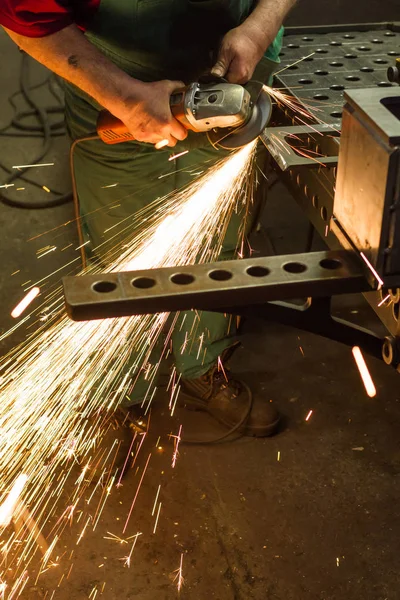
(153, 40)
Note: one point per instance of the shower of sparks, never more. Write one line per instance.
(309, 415)
(384, 300)
(46, 189)
(9, 505)
(179, 577)
(290, 102)
(25, 302)
(30, 166)
(364, 372)
(59, 389)
(371, 268)
(7, 185)
(175, 156)
(278, 458)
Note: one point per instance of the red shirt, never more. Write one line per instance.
(37, 19)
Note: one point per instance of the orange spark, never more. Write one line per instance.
(365, 374)
(25, 302)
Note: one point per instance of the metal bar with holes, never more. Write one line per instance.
(212, 286)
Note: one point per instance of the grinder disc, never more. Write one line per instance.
(233, 138)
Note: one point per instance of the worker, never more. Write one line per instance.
(129, 56)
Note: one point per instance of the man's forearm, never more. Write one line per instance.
(69, 54)
(269, 15)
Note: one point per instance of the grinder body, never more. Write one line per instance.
(222, 108)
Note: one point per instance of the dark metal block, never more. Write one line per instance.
(367, 199)
(212, 286)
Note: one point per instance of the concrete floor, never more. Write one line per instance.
(321, 523)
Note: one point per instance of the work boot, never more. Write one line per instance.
(230, 402)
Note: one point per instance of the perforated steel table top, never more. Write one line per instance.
(343, 57)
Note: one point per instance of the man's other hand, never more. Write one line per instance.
(146, 112)
(240, 51)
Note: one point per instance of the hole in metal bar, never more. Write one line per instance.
(307, 39)
(336, 114)
(381, 61)
(293, 67)
(104, 287)
(295, 267)
(292, 46)
(352, 78)
(305, 81)
(384, 84)
(396, 311)
(330, 263)
(350, 55)
(321, 72)
(390, 34)
(335, 63)
(324, 213)
(376, 41)
(321, 51)
(393, 53)
(321, 97)
(143, 283)
(335, 43)
(182, 278)
(364, 48)
(367, 69)
(220, 275)
(257, 271)
(315, 201)
(349, 37)
(337, 87)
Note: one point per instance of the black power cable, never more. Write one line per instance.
(43, 128)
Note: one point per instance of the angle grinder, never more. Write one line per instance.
(230, 115)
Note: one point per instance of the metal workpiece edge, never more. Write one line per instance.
(213, 285)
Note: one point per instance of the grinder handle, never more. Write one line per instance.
(112, 130)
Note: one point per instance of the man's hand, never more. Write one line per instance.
(143, 107)
(241, 50)
(147, 114)
(243, 47)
